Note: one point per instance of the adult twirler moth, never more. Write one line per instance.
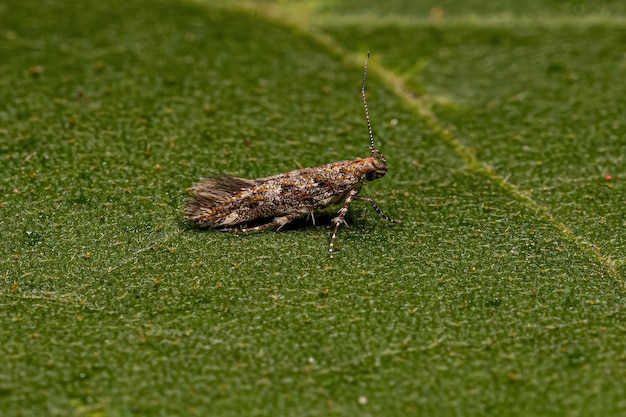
(231, 204)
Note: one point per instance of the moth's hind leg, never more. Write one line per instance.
(243, 229)
(278, 222)
(377, 209)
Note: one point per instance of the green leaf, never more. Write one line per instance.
(501, 293)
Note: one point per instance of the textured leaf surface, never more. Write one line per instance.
(501, 293)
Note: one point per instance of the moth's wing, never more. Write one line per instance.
(211, 196)
(219, 187)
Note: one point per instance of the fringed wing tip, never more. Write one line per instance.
(209, 195)
(218, 186)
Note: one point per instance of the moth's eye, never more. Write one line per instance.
(370, 175)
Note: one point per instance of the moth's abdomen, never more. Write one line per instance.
(264, 200)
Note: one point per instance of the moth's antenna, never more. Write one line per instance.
(367, 115)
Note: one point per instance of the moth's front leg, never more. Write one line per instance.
(340, 218)
(377, 209)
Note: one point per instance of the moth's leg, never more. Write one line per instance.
(258, 228)
(377, 209)
(339, 219)
(284, 220)
(279, 222)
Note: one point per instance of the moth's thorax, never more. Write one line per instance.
(358, 170)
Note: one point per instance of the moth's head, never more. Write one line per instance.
(378, 165)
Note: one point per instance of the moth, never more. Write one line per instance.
(232, 204)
